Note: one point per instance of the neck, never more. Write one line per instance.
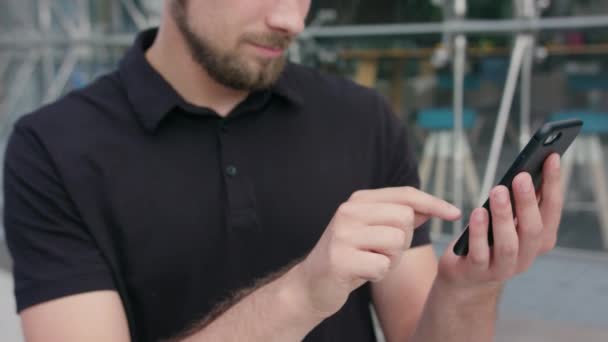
(170, 56)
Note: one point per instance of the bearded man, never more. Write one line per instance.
(207, 190)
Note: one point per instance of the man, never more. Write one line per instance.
(207, 191)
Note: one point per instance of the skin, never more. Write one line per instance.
(417, 297)
(242, 36)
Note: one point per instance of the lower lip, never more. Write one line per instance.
(268, 52)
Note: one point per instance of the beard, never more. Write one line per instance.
(230, 68)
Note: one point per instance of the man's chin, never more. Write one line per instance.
(268, 72)
(251, 74)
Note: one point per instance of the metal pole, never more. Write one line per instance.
(5, 61)
(460, 46)
(469, 27)
(484, 27)
(44, 19)
(135, 13)
(459, 65)
(70, 27)
(526, 94)
(63, 75)
(522, 42)
(526, 9)
(18, 86)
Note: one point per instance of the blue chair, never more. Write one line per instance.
(586, 150)
(594, 122)
(446, 82)
(494, 69)
(434, 119)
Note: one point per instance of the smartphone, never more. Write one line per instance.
(552, 137)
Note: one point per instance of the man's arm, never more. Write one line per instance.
(400, 297)
(93, 316)
(462, 304)
(363, 242)
(63, 285)
(276, 311)
(273, 312)
(455, 315)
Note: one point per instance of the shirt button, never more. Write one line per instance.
(223, 127)
(231, 170)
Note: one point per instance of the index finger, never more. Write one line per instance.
(424, 205)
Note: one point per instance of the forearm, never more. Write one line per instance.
(276, 311)
(458, 315)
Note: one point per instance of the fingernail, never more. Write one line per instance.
(501, 196)
(524, 184)
(479, 216)
(455, 211)
(556, 162)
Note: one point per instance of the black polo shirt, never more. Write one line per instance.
(123, 185)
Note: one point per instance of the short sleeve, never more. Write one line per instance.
(53, 253)
(402, 165)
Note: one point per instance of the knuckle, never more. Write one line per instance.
(409, 215)
(478, 259)
(524, 268)
(549, 245)
(399, 236)
(555, 201)
(357, 195)
(512, 272)
(395, 259)
(346, 209)
(384, 264)
(533, 230)
(504, 277)
(340, 234)
(409, 236)
(527, 198)
(406, 217)
(508, 250)
(502, 212)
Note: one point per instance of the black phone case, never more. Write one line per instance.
(531, 160)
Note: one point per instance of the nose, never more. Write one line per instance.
(288, 16)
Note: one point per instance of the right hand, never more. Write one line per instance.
(364, 240)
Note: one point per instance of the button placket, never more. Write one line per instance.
(239, 192)
(231, 170)
(223, 126)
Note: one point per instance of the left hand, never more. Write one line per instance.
(517, 243)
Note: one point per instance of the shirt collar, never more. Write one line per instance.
(152, 97)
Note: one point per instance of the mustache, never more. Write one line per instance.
(273, 40)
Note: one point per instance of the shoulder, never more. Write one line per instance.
(312, 82)
(81, 110)
(338, 97)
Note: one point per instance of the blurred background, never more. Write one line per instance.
(473, 80)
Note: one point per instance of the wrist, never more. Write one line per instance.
(293, 294)
(469, 294)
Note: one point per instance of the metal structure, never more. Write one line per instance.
(521, 65)
(31, 58)
(36, 68)
(459, 66)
